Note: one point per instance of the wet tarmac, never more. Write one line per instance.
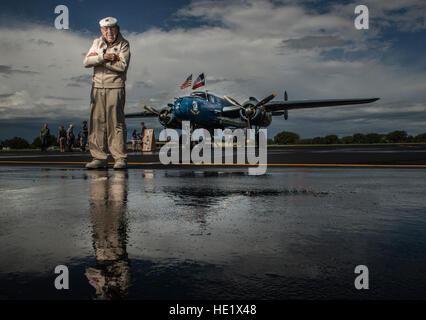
(374, 155)
(212, 233)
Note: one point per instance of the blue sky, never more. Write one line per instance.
(245, 48)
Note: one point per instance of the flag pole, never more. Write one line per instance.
(205, 85)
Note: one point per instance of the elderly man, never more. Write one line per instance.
(110, 57)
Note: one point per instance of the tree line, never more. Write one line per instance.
(397, 136)
(284, 137)
(21, 143)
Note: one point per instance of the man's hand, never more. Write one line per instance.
(111, 57)
(92, 54)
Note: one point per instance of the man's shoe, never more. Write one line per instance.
(96, 164)
(120, 164)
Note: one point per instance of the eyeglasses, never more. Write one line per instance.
(112, 29)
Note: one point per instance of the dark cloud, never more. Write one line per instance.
(30, 128)
(311, 42)
(8, 70)
(145, 84)
(221, 80)
(41, 42)
(80, 81)
(63, 98)
(6, 95)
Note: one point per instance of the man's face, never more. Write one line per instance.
(109, 33)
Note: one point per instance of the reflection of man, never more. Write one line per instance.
(110, 57)
(108, 196)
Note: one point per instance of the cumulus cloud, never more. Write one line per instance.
(310, 42)
(236, 48)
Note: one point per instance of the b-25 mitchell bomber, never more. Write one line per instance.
(209, 111)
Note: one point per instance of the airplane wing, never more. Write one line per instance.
(231, 111)
(276, 106)
(143, 114)
(150, 113)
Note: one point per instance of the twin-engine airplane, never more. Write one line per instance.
(208, 111)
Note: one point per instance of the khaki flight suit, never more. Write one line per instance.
(107, 128)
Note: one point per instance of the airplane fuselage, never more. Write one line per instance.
(199, 111)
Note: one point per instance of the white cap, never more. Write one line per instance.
(108, 22)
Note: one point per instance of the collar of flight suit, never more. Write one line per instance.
(116, 42)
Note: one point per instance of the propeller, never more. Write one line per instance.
(164, 116)
(232, 101)
(285, 111)
(150, 109)
(266, 100)
(248, 108)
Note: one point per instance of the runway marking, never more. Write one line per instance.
(67, 162)
(309, 165)
(236, 164)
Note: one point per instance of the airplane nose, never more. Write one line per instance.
(184, 106)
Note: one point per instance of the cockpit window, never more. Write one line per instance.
(201, 95)
(212, 99)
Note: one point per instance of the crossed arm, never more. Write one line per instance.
(115, 62)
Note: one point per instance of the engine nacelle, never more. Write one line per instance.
(168, 119)
(258, 116)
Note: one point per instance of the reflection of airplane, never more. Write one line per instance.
(108, 196)
(206, 110)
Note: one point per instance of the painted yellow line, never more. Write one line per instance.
(66, 162)
(44, 162)
(309, 165)
(236, 164)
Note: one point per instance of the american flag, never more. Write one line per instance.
(187, 82)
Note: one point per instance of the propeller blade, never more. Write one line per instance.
(266, 100)
(150, 109)
(285, 96)
(233, 101)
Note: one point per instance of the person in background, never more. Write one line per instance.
(83, 134)
(70, 137)
(143, 129)
(134, 141)
(62, 138)
(44, 137)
